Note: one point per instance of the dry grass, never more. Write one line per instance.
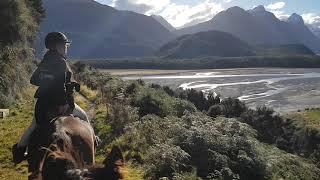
(309, 118)
(88, 93)
(313, 117)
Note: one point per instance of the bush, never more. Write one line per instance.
(215, 111)
(119, 116)
(182, 107)
(169, 138)
(165, 160)
(232, 107)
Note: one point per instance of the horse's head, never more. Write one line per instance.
(61, 165)
(56, 164)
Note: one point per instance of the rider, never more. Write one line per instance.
(51, 76)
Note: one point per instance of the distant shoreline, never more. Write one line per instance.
(207, 63)
(143, 72)
(155, 72)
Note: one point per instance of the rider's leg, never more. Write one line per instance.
(19, 149)
(24, 141)
(25, 138)
(80, 113)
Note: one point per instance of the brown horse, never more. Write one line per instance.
(66, 134)
(69, 153)
(62, 166)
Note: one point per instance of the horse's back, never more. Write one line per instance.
(80, 135)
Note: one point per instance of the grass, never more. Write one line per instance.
(132, 172)
(11, 129)
(313, 117)
(88, 93)
(13, 126)
(82, 102)
(309, 117)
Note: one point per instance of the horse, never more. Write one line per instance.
(62, 166)
(65, 133)
(64, 146)
(69, 154)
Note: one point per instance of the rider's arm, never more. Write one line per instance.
(58, 71)
(40, 75)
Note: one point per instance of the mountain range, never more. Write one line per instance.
(222, 44)
(209, 43)
(259, 27)
(100, 31)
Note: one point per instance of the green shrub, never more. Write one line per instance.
(170, 136)
(164, 160)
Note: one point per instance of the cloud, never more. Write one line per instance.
(139, 6)
(276, 6)
(176, 14)
(281, 15)
(311, 18)
(276, 9)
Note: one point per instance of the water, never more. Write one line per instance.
(281, 89)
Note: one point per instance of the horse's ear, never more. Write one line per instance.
(115, 157)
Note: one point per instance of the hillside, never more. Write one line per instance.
(100, 31)
(182, 135)
(281, 50)
(164, 22)
(17, 34)
(258, 26)
(211, 43)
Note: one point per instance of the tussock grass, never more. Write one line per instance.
(82, 102)
(313, 117)
(309, 117)
(90, 94)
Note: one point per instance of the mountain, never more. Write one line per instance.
(211, 43)
(258, 26)
(164, 22)
(315, 29)
(100, 31)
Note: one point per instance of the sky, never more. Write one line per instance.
(180, 13)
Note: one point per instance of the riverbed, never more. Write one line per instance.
(282, 89)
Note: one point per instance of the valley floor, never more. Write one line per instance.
(143, 72)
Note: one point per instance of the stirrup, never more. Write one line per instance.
(97, 141)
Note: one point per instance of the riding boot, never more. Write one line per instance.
(18, 154)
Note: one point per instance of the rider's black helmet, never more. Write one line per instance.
(55, 37)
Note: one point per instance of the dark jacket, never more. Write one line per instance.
(52, 74)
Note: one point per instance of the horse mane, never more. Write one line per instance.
(70, 170)
(68, 144)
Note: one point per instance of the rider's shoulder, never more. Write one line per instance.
(52, 57)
